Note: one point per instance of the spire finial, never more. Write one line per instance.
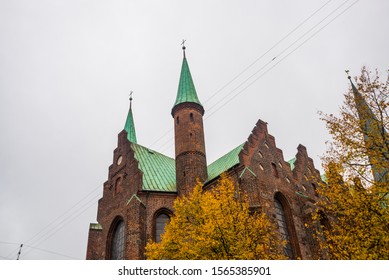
(348, 76)
(183, 46)
(131, 98)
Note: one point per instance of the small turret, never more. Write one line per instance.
(191, 163)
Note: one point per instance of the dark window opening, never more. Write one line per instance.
(314, 189)
(191, 117)
(118, 185)
(117, 244)
(283, 228)
(324, 222)
(160, 223)
(178, 120)
(274, 170)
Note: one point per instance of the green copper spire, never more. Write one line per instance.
(186, 89)
(129, 126)
(371, 128)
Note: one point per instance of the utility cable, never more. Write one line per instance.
(278, 61)
(76, 214)
(271, 48)
(169, 141)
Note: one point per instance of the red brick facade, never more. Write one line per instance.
(191, 162)
(261, 172)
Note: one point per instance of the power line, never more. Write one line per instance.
(271, 48)
(57, 224)
(278, 55)
(51, 252)
(58, 221)
(271, 61)
(70, 218)
(234, 96)
(65, 221)
(210, 113)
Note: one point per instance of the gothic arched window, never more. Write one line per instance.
(283, 228)
(160, 222)
(117, 241)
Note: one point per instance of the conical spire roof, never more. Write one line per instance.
(186, 89)
(371, 128)
(364, 111)
(129, 126)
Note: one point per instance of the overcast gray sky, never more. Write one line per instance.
(67, 67)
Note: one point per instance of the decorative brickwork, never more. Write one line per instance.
(138, 189)
(191, 163)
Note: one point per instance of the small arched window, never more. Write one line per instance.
(283, 228)
(314, 189)
(178, 119)
(118, 185)
(160, 222)
(117, 241)
(274, 169)
(191, 117)
(324, 222)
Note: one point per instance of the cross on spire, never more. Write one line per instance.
(348, 75)
(131, 98)
(129, 126)
(183, 46)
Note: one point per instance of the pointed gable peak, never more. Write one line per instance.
(186, 89)
(129, 126)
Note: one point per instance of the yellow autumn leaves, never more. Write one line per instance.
(356, 198)
(216, 224)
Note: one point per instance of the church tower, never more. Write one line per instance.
(191, 163)
(373, 133)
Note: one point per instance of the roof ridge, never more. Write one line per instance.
(151, 150)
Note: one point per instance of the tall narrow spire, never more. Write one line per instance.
(186, 90)
(187, 112)
(371, 129)
(129, 126)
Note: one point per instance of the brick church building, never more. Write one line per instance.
(143, 184)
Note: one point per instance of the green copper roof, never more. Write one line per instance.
(224, 163)
(95, 226)
(370, 127)
(186, 89)
(291, 162)
(159, 171)
(130, 127)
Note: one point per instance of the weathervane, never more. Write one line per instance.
(183, 45)
(347, 72)
(131, 98)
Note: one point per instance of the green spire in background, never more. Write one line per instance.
(129, 126)
(186, 89)
(371, 128)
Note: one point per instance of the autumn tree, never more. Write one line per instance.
(216, 224)
(353, 214)
(360, 133)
